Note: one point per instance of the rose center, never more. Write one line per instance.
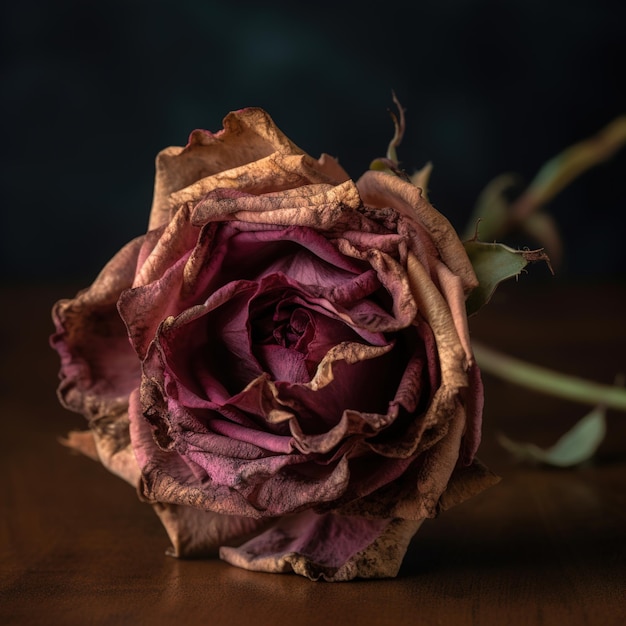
(294, 331)
(280, 336)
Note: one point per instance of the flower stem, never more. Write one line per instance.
(560, 171)
(548, 381)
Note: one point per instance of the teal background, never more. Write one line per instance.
(92, 91)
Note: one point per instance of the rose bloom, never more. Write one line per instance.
(282, 363)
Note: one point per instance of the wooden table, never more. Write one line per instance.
(542, 547)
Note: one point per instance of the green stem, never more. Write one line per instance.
(548, 381)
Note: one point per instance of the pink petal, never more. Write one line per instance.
(98, 366)
(327, 546)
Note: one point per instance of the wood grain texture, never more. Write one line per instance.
(542, 547)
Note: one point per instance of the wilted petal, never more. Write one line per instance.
(393, 278)
(82, 441)
(250, 153)
(436, 312)
(466, 482)
(382, 190)
(352, 423)
(474, 405)
(320, 210)
(320, 404)
(451, 288)
(273, 173)
(109, 444)
(248, 135)
(328, 546)
(98, 366)
(167, 478)
(197, 533)
(165, 247)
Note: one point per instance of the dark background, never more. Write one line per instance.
(92, 91)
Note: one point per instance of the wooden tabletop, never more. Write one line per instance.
(545, 546)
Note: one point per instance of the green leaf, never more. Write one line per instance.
(493, 263)
(491, 213)
(576, 446)
(561, 170)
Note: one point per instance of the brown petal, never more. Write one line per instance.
(451, 287)
(197, 533)
(382, 190)
(270, 174)
(82, 441)
(416, 495)
(434, 308)
(348, 351)
(109, 445)
(248, 135)
(320, 209)
(114, 448)
(383, 558)
(466, 482)
(435, 468)
(445, 420)
(165, 247)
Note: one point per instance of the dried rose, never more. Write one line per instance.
(298, 390)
